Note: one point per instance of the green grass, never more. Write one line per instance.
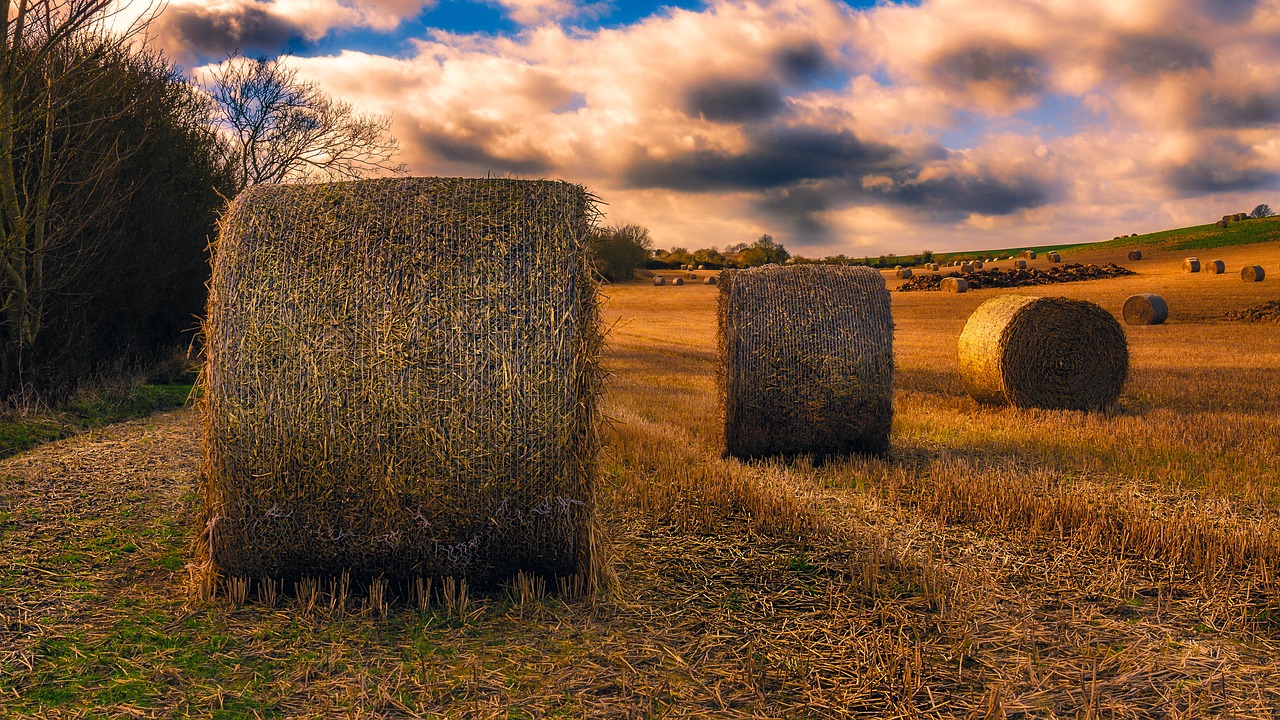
(23, 431)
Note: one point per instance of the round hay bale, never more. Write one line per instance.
(677, 281)
(1135, 254)
(693, 276)
(1214, 267)
(1227, 218)
(897, 267)
(1252, 273)
(806, 361)
(1145, 309)
(904, 273)
(1053, 257)
(402, 379)
(1241, 217)
(702, 267)
(977, 264)
(1029, 254)
(966, 267)
(711, 280)
(659, 281)
(955, 285)
(1020, 264)
(1191, 265)
(1052, 353)
(1221, 223)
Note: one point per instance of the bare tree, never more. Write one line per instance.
(280, 128)
(56, 160)
(1263, 210)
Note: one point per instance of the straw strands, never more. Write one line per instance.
(1252, 273)
(806, 361)
(1052, 353)
(1145, 309)
(402, 379)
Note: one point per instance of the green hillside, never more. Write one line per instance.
(1197, 237)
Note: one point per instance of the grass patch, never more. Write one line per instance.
(23, 431)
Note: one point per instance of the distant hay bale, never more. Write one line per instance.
(1252, 273)
(933, 266)
(955, 285)
(1020, 264)
(1214, 267)
(693, 276)
(1221, 223)
(1227, 218)
(1145, 309)
(402, 379)
(659, 281)
(1052, 353)
(1053, 257)
(1029, 254)
(806, 361)
(1191, 265)
(1135, 254)
(677, 281)
(711, 280)
(702, 267)
(966, 267)
(904, 273)
(897, 267)
(1241, 217)
(977, 264)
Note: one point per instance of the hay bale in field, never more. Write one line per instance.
(402, 379)
(702, 267)
(1135, 254)
(1191, 265)
(977, 264)
(1221, 223)
(1050, 353)
(933, 267)
(806, 361)
(955, 285)
(1241, 217)
(1252, 273)
(1029, 254)
(966, 267)
(677, 281)
(1145, 309)
(904, 273)
(1053, 257)
(1214, 267)
(711, 280)
(659, 281)
(693, 276)
(1020, 264)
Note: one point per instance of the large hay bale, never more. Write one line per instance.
(1191, 265)
(402, 379)
(1020, 264)
(806, 361)
(659, 281)
(1214, 267)
(1135, 254)
(904, 273)
(677, 281)
(1252, 273)
(1053, 353)
(1145, 309)
(955, 285)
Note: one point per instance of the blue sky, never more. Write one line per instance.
(837, 127)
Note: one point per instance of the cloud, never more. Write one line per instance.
(538, 12)
(252, 28)
(734, 100)
(1245, 110)
(1149, 55)
(803, 62)
(993, 72)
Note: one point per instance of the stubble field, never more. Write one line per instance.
(1002, 563)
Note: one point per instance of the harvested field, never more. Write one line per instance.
(1266, 312)
(1001, 278)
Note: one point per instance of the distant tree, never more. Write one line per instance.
(926, 256)
(1263, 210)
(621, 249)
(279, 127)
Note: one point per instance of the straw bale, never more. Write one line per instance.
(955, 285)
(1241, 217)
(1191, 265)
(659, 281)
(977, 264)
(1222, 223)
(904, 273)
(677, 281)
(402, 379)
(1214, 267)
(1145, 309)
(1252, 273)
(966, 267)
(1053, 257)
(711, 280)
(1053, 353)
(1020, 264)
(1135, 254)
(806, 361)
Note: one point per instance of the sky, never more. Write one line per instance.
(837, 127)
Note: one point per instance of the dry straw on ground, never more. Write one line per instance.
(1252, 273)
(955, 285)
(1053, 353)
(1215, 267)
(1191, 265)
(402, 380)
(1145, 309)
(806, 361)
(1135, 254)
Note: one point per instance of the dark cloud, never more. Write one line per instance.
(1014, 71)
(470, 149)
(735, 100)
(1226, 173)
(778, 156)
(802, 63)
(1231, 11)
(1148, 55)
(963, 194)
(1241, 111)
(249, 28)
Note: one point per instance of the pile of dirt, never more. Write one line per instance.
(998, 278)
(1266, 312)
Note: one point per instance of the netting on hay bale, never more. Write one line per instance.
(1052, 353)
(1145, 309)
(402, 379)
(806, 361)
(1215, 267)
